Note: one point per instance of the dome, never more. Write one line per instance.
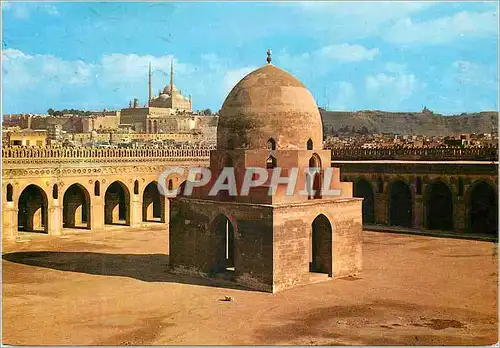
(269, 103)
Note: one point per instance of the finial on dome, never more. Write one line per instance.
(269, 52)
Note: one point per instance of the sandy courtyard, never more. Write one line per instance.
(112, 288)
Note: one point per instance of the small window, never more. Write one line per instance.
(97, 188)
(309, 144)
(271, 144)
(136, 187)
(170, 185)
(460, 186)
(271, 162)
(418, 186)
(9, 193)
(55, 192)
(380, 185)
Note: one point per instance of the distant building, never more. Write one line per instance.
(25, 137)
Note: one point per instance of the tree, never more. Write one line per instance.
(207, 112)
(50, 111)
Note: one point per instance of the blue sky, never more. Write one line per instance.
(394, 56)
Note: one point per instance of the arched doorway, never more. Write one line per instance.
(76, 207)
(320, 246)
(225, 245)
(364, 189)
(439, 207)
(32, 210)
(117, 204)
(482, 209)
(153, 204)
(400, 204)
(314, 183)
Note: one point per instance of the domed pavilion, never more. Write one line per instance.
(269, 242)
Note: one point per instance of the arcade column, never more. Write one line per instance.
(97, 213)
(55, 217)
(9, 221)
(136, 211)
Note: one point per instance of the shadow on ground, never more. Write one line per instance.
(144, 267)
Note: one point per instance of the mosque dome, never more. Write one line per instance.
(269, 103)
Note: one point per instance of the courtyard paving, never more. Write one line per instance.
(113, 288)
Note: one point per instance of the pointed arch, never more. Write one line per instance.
(10, 192)
(76, 207)
(482, 209)
(320, 246)
(153, 204)
(363, 189)
(439, 207)
(400, 204)
(136, 187)
(271, 144)
(32, 215)
(224, 237)
(97, 188)
(309, 144)
(117, 204)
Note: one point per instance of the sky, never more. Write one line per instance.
(392, 56)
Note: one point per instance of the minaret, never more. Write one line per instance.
(171, 76)
(150, 85)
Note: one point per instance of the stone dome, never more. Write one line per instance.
(269, 103)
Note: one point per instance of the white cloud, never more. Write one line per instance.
(21, 10)
(321, 59)
(28, 72)
(342, 96)
(444, 29)
(469, 73)
(346, 53)
(119, 77)
(392, 86)
(356, 20)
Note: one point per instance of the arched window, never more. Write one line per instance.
(309, 144)
(380, 185)
(55, 192)
(230, 144)
(9, 193)
(460, 186)
(271, 144)
(97, 188)
(136, 187)
(418, 185)
(271, 162)
(170, 185)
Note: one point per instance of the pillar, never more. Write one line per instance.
(9, 221)
(97, 214)
(136, 211)
(460, 211)
(418, 212)
(55, 217)
(381, 208)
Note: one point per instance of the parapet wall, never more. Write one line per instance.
(13, 155)
(418, 154)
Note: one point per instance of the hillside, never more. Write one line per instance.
(414, 123)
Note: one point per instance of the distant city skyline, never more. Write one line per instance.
(398, 56)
